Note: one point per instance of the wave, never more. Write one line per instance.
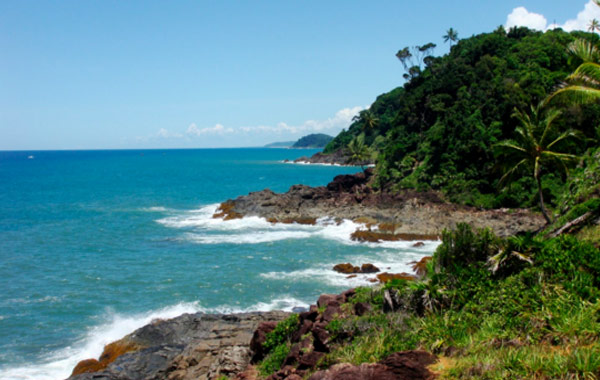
(385, 260)
(154, 209)
(202, 228)
(59, 364)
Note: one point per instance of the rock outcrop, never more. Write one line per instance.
(405, 365)
(407, 215)
(191, 346)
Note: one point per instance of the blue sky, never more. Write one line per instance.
(186, 74)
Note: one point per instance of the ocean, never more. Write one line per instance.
(94, 244)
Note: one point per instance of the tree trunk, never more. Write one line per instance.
(544, 212)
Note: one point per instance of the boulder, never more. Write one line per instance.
(385, 277)
(346, 268)
(368, 268)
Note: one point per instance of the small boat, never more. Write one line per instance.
(31, 157)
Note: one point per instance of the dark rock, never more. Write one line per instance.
(347, 371)
(333, 309)
(259, 337)
(305, 327)
(418, 244)
(361, 308)
(189, 346)
(385, 277)
(299, 309)
(407, 365)
(410, 364)
(368, 268)
(326, 299)
(309, 315)
(348, 294)
(346, 268)
(321, 338)
(310, 360)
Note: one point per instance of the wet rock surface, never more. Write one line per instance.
(407, 215)
(191, 346)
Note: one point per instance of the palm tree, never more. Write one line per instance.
(583, 85)
(535, 146)
(367, 118)
(594, 26)
(359, 151)
(451, 35)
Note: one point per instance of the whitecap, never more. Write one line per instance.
(59, 364)
(154, 209)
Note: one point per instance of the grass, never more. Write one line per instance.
(527, 319)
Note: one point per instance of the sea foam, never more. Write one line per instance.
(59, 364)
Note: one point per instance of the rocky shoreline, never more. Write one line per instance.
(191, 346)
(207, 347)
(204, 346)
(407, 215)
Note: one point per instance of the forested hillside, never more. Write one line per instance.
(439, 129)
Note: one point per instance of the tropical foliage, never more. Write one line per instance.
(536, 145)
(438, 130)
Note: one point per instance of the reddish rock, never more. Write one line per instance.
(418, 244)
(347, 371)
(352, 276)
(326, 299)
(368, 268)
(372, 280)
(346, 268)
(87, 365)
(305, 328)
(385, 277)
(111, 352)
(333, 309)
(348, 294)
(259, 337)
(310, 315)
(407, 365)
(361, 308)
(321, 338)
(310, 360)
(411, 364)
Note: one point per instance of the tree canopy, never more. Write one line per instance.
(437, 131)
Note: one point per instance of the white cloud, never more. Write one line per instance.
(589, 12)
(520, 16)
(341, 119)
(166, 134)
(218, 129)
(219, 135)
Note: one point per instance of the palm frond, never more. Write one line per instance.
(584, 50)
(565, 135)
(578, 93)
(512, 171)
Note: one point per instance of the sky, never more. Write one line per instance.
(102, 74)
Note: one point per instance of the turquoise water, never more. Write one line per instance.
(94, 244)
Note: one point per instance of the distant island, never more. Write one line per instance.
(280, 144)
(315, 140)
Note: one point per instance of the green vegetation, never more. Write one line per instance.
(317, 140)
(438, 131)
(358, 151)
(536, 318)
(277, 345)
(522, 307)
(534, 147)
